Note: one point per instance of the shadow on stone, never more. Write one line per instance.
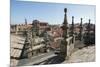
(53, 60)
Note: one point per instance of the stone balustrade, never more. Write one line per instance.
(70, 45)
(67, 48)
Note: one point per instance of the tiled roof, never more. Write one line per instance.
(17, 44)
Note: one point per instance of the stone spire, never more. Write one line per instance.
(64, 36)
(81, 30)
(64, 27)
(72, 28)
(65, 17)
(25, 21)
(88, 26)
(25, 31)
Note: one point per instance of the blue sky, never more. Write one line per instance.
(53, 13)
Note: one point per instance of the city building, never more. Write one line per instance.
(21, 28)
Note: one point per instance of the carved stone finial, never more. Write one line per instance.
(72, 19)
(65, 18)
(72, 29)
(89, 25)
(81, 22)
(81, 29)
(81, 19)
(89, 20)
(25, 21)
(65, 10)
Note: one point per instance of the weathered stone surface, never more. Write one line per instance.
(17, 44)
(86, 54)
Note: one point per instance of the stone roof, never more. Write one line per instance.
(17, 44)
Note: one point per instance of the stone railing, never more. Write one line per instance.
(70, 45)
(67, 46)
(31, 49)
